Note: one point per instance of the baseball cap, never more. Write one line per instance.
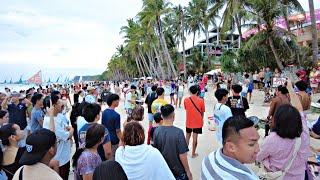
(37, 145)
(15, 94)
(90, 88)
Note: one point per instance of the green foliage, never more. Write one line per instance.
(229, 62)
(152, 38)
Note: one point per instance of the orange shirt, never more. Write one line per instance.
(194, 118)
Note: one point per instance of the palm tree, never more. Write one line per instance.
(193, 19)
(179, 24)
(233, 15)
(289, 6)
(207, 20)
(150, 16)
(132, 32)
(314, 34)
(267, 11)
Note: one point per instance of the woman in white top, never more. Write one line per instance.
(138, 160)
(180, 94)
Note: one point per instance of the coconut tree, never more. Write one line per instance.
(233, 14)
(314, 33)
(178, 24)
(193, 19)
(289, 6)
(207, 19)
(150, 16)
(267, 11)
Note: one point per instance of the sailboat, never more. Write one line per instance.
(20, 80)
(10, 81)
(49, 81)
(5, 81)
(35, 79)
(58, 79)
(66, 80)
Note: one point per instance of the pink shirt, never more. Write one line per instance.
(276, 152)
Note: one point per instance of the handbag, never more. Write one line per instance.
(279, 175)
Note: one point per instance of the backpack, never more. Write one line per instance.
(238, 104)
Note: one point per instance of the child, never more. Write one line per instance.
(158, 121)
(238, 104)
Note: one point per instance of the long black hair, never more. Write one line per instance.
(109, 170)
(5, 132)
(94, 135)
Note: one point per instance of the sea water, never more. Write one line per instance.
(17, 87)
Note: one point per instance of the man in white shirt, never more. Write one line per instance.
(130, 100)
(221, 111)
(64, 133)
(91, 98)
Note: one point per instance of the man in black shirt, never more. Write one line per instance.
(17, 109)
(237, 103)
(149, 100)
(171, 143)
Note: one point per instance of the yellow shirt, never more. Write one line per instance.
(156, 105)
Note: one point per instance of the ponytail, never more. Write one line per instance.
(76, 156)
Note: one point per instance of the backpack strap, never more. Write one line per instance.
(21, 174)
(196, 107)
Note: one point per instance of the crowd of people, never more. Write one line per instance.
(37, 129)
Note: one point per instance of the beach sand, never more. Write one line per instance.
(206, 141)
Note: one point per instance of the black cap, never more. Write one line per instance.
(37, 145)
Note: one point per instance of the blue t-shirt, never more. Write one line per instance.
(111, 120)
(316, 127)
(82, 139)
(36, 116)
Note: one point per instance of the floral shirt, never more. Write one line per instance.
(87, 163)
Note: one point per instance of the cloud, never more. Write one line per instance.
(78, 36)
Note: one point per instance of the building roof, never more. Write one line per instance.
(282, 23)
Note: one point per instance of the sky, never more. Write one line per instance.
(65, 37)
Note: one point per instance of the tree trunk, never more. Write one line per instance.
(274, 51)
(136, 60)
(184, 57)
(145, 62)
(142, 70)
(314, 33)
(194, 37)
(238, 22)
(152, 68)
(207, 47)
(159, 63)
(138, 65)
(183, 48)
(165, 47)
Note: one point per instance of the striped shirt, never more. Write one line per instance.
(217, 166)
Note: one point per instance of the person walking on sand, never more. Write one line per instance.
(195, 109)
